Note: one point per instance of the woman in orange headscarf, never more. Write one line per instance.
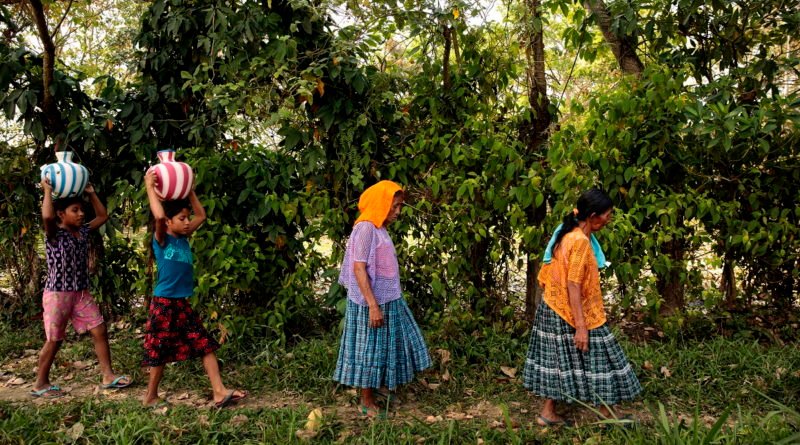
(381, 344)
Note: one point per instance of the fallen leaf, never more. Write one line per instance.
(182, 396)
(647, 365)
(203, 421)
(305, 435)
(433, 386)
(15, 381)
(594, 440)
(239, 420)
(780, 372)
(446, 376)
(480, 441)
(457, 416)
(70, 419)
(75, 431)
(433, 419)
(444, 354)
(30, 352)
(314, 420)
(79, 365)
(666, 372)
(496, 424)
(511, 372)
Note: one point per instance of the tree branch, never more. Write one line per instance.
(54, 125)
(623, 47)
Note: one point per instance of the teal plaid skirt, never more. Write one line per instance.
(555, 369)
(386, 356)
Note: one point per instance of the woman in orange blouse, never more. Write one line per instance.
(573, 356)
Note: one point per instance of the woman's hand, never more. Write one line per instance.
(89, 189)
(582, 339)
(375, 316)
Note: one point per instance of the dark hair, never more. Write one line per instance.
(591, 202)
(61, 204)
(172, 208)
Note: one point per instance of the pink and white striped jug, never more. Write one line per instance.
(174, 180)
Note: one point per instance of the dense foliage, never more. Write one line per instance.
(288, 109)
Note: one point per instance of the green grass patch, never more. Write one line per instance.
(715, 391)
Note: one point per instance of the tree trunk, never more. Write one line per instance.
(728, 282)
(446, 32)
(54, 124)
(533, 292)
(623, 46)
(669, 285)
(535, 134)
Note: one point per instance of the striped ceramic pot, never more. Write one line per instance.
(67, 178)
(174, 179)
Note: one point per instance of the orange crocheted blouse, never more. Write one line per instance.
(574, 261)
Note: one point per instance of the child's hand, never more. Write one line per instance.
(46, 185)
(150, 179)
(89, 189)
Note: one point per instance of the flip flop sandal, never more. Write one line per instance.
(115, 384)
(53, 392)
(364, 411)
(624, 421)
(230, 399)
(549, 422)
(158, 405)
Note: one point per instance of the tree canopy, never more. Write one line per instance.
(494, 117)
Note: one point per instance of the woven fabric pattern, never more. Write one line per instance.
(386, 356)
(555, 369)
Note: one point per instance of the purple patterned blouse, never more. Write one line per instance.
(373, 246)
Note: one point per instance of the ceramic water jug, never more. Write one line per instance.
(67, 178)
(174, 180)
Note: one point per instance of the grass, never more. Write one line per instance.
(696, 392)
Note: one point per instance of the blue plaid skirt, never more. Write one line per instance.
(386, 356)
(556, 369)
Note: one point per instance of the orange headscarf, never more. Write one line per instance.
(376, 201)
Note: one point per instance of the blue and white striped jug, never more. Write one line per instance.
(67, 178)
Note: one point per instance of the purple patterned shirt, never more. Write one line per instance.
(67, 261)
(373, 246)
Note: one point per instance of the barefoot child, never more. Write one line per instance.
(381, 345)
(66, 292)
(174, 331)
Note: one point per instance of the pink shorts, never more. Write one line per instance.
(62, 306)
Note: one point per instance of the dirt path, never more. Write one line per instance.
(80, 381)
